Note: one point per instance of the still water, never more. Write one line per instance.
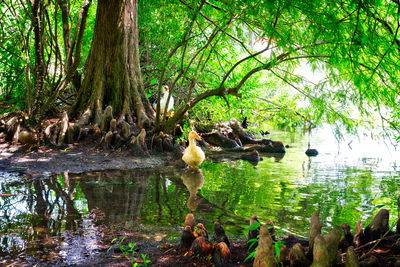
(67, 215)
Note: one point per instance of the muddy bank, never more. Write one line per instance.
(74, 159)
(84, 158)
(97, 150)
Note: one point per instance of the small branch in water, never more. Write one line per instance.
(349, 144)
(377, 242)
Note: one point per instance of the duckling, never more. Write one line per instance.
(245, 124)
(219, 234)
(193, 155)
(221, 254)
(28, 137)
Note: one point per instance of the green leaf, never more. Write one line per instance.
(252, 245)
(251, 255)
(254, 226)
(61, 181)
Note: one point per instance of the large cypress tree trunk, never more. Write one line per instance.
(113, 75)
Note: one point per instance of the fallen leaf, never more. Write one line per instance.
(381, 251)
(10, 195)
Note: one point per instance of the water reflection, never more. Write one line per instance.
(36, 220)
(119, 194)
(62, 218)
(193, 180)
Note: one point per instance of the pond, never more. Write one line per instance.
(65, 218)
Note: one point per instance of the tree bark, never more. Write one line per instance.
(39, 69)
(113, 76)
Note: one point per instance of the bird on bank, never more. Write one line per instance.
(219, 234)
(221, 254)
(193, 155)
(201, 246)
(164, 99)
(188, 236)
(200, 230)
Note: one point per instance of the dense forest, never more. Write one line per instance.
(221, 60)
(101, 104)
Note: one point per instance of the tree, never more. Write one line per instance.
(213, 54)
(43, 101)
(113, 76)
(209, 52)
(30, 39)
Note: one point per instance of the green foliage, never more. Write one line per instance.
(17, 51)
(12, 60)
(130, 252)
(326, 61)
(338, 70)
(254, 241)
(251, 255)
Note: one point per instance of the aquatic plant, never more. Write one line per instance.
(130, 253)
(253, 242)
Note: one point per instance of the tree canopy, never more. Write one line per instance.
(256, 48)
(221, 59)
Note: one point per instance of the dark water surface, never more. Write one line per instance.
(64, 218)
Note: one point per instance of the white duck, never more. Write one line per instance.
(193, 155)
(163, 101)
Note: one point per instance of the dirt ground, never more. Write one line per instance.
(72, 158)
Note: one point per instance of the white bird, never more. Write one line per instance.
(164, 99)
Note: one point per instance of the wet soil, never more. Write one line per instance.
(73, 158)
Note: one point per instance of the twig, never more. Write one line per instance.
(377, 242)
(168, 250)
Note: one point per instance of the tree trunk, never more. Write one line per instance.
(39, 70)
(113, 76)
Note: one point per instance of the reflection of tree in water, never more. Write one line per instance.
(182, 197)
(51, 204)
(41, 210)
(118, 193)
(164, 201)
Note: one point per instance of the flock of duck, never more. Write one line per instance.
(195, 239)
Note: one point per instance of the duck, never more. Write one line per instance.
(193, 155)
(28, 137)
